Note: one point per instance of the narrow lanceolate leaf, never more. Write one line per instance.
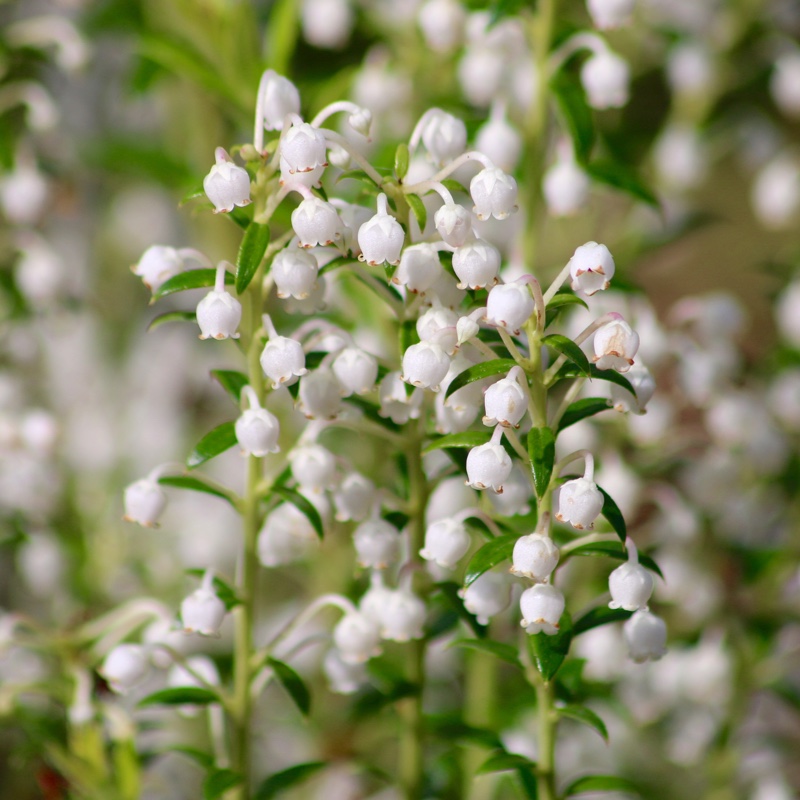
(459, 440)
(401, 161)
(595, 617)
(191, 279)
(222, 438)
(295, 686)
(616, 551)
(614, 516)
(195, 484)
(490, 555)
(569, 350)
(500, 762)
(251, 251)
(181, 696)
(570, 370)
(581, 409)
(231, 381)
(587, 717)
(279, 781)
(356, 175)
(542, 454)
(601, 783)
(505, 652)
(418, 207)
(549, 652)
(218, 782)
(576, 114)
(205, 760)
(622, 177)
(449, 591)
(454, 186)
(171, 316)
(302, 504)
(487, 369)
(562, 299)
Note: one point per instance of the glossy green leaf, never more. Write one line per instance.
(460, 440)
(570, 370)
(542, 454)
(562, 299)
(336, 263)
(195, 484)
(251, 252)
(222, 438)
(401, 161)
(181, 696)
(614, 516)
(582, 409)
(567, 348)
(620, 176)
(191, 279)
(587, 717)
(279, 781)
(616, 551)
(595, 617)
(356, 175)
(454, 186)
(231, 381)
(302, 504)
(486, 369)
(453, 730)
(505, 652)
(500, 762)
(241, 217)
(218, 782)
(295, 686)
(549, 652)
(600, 783)
(490, 555)
(203, 759)
(418, 207)
(575, 113)
(449, 591)
(171, 316)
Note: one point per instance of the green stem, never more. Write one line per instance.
(547, 720)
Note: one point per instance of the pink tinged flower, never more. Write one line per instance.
(226, 185)
(542, 606)
(145, 502)
(488, 465)
(295, 273)
(615, 345)
(319, 396)
(566, 188)
(644, 385)
(646, 636)
(402, 617)
(505, 402)
(157, 265)
(316, 222)
(630, 584)
(591, 268)
(283, 361)
(357, 638)
(202, 611)
(125, 667)
(425, 365)
(381, 238)
(446, 542)
(605, 77)
(377, 543)
(453, 223)
(535, 557)
(354, 498)
(494, 194)
(510, 306)
(579, 503)
(303, 148)
(278, 97)
(419, 268)
(257, 432)
(444, 136)
(487, 597)
(313, 467)
(476, 264)
(398, 406)
(356, 371)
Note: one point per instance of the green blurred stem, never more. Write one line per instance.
(547, 720)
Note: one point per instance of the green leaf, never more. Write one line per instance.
(562, 299)
(454, 186)
(505, 652)
(581, 409)
(241, 217)
(223, 590)
(466, 439)
(595, 617)
(502, 761)
(418, 207)
(195, 484)
(281, 35)
(251, 252)
(180, 696)
(191, 279)
(569, 350)
(449, 591)
(356, 175)
(587, 717)
(452, 729)
(549, 652)
(273, 785)
(486, 369)
(620, 176)
(302, 504)
(336, 263)
(222, 438)
(231, 381)
(171, 316)
(600, 783)
(614, 550)
(614, 516)
(295, 686)
(218, 782)
(490, 555)
(401, 161)
(576, 115)
(542, 454)
(205, 760)
(570, 370)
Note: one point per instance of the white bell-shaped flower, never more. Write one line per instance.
(202, 611)
(494, 194)
(402, 616)
(453, 418)
(313, 467)
(784, 84)
(445, 291)
(608, 14)
(381, 238)
(605, 77)
(542, 606)
(293, 180)
(630, 584)
(516, 494)
(453, 223)
(377, 543)
(442, 24)
(646, 636)
(303, 147)
(419, 268)
(644, 384)
(500, 142)
(615, 345)
(144, 502)
(488, 465)
(257, 430)
(319, 394)
(446, 542)
(775, 194)
(283, 360)
(125, 667)
(316, 222)
(219, 312)
(487, 597)
(343, 678)
(476, 264)
(535, 556)
(357, 638)
(438, 326)
(505, 401)
(396, 404)
(354, 497)
(203, 673)
(566, 188)
(327, 24)
(356, 371)
(277, 98)
(375, 598)
(425, 365)
(510, 306)
(157, 265)
(579, 503)
(591, 268)
(23, 192)
(294, 272)
(444, 136)
(226, 185)
(285, 537)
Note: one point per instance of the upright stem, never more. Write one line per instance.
(547, 719)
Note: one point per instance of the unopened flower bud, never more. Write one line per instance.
(591, 268)
(294, 272)
(505, 401)
(446, 542)
(615, 345)
(476, 264)
(510, 306)
(319, 394)
(419, 268)
(488, 465)
(605, 77)
(381, 238)
(355, 370)
(579, 503)
(125, 667)
(226, 185)
(316, 222)
(566, 188)
(494, 193)
(202, 611)
(354, 498)
(453, 223)
(646, 636)
(377, 543)
(486, 597)
(357, 638)
(542, 606)
(145, 501)
(535, 557)
(631, 584)
(425, 365)
(444, 136)
(303, 148)
(402, 617)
